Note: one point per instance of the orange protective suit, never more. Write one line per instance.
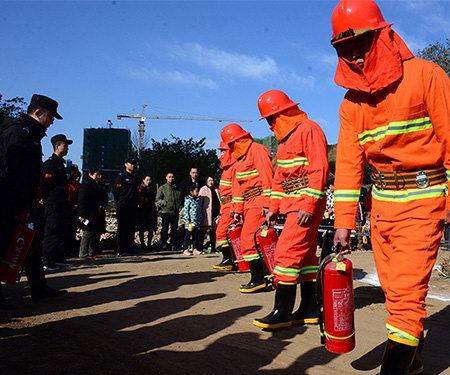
(252, 170)
(402, 127)
(225, 192)
(302, 151)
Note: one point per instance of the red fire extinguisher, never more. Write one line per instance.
(266, 239)
(335, 300)
(234, 237)
(16, 253)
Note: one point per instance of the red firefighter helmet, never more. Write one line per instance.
(272, 102)
(223, 146)
(232, 132)
(354, 17)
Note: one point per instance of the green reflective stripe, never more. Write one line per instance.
(448, 175)
(292, 162)
(346, 195)
(237, 200)
(253, 172)
(225, 183)
(221, 243)
(309, 269)
(409, 194)
(399, 333)
(286, 271)
(276, 195)
(249, 258)
(267, 192)
(314, 193)
(394, 128)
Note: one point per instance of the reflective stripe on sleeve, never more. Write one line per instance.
(346, 195)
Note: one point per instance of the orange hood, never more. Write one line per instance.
(226, 159)
(382, 67)
(286, 122)
(240, 147)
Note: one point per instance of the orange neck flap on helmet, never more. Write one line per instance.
(285, 122)
(382, 67)
(226, 159)
(240, 147)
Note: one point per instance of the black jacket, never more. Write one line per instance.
(20, 162)
(92, 200)
(126, 190)
(53, 187)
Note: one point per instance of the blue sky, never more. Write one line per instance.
(185, 58)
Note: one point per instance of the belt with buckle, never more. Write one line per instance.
(398, 180)
(253, 192)
(226, 199)
(293, 184)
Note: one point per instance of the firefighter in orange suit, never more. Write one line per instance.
(298, 194)
(395, 116)
(252, 180)
(225, 220)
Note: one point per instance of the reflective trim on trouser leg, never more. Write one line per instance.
(401, 337)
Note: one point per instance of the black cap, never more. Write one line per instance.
(44, 102)
(59, 138)
(130, 160)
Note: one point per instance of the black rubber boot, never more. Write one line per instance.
(257, 281)
(308, 312)
(227, 263)
(397, 358)
(281, 315)
(416, 367)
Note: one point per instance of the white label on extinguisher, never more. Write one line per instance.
(342, 309)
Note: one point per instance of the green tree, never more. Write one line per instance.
(178, 156)
(11, 107)
(437, 53)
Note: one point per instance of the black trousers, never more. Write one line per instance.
(33, 264)
(53, 245)
(172, 221)
(192, 237)
(126, 226)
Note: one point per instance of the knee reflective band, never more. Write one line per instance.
(281, 315)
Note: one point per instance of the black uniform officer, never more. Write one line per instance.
(126, 197)
(54, 194)
(20, 166)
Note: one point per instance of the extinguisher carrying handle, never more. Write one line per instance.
(336, 253)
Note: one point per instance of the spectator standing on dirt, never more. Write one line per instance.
(147, 215)
(92, 202)
(126, 197)
(20, 167)
(210, 209)
(192, 218)
(55, 197)
(168, 203)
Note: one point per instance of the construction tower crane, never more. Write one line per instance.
(142, 118)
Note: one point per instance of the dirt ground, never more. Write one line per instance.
(163, 313)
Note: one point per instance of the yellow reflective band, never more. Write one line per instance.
(409, 194)
(448, 175)
(309, 269)
(395, 128)
(286, 271)
(287, 283)
(289, 163)
(276, 195)
(221, 243)
(398, 335)
(253, 172)
(346, 195)
(225, 183)
(251, 257)
(267, 192)
(314, 193)
(237, 200)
